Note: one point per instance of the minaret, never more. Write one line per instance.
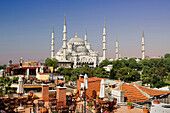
(64, 39)
(143, 49)
(85, 37)
(117, 49)
(52, 43)
(104, 41)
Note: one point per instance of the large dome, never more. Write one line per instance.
(76, 40)
(81, 49)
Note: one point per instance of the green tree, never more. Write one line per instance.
(5, 82)
(73, 78)
(100, 72)
(51, 62)
(67, 78)
(145, 78)
(124, 74)
(3, 66)
(146, 62)
(104, 63)
(145, 69)
(117, 64)
(10, 61)
(135, 76)
(113, 73)
(167, 55)
(166, 63)
(155, 79)
(66, 71)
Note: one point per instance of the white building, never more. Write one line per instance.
(78, 51)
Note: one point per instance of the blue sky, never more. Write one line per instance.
(26, 25)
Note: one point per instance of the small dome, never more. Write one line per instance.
(81, 49)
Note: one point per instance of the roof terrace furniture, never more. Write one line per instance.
(65, 109)
(17, 103)
(73, 107)
(97, 105)
(68, 100)
(2, 105)
(43, 110)
(24, 101)
(60, 103)
(52, 104)
(41, 104)
(11, 105)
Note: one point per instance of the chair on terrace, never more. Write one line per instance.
(24, 101)
(11, 105)
(52, 104)
(41, 104)
(65, 109)
(97, 106)
(2, 105)
(73, 107)
(30, 100)
(76, 96)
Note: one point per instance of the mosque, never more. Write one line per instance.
(77, 51)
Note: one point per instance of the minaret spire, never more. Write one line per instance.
(117, 49)
(64, 19)
(104, 41)
(143, 46)
(85, 37)
(52, 43)
(64, 39)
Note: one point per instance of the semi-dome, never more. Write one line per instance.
(81, 49)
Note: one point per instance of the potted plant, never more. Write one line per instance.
(145, 109)
(90, 105)
(31, 93)
(97, 98)
(156, 101)
(129, 104)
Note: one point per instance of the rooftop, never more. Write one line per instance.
(132, 94)
(153, 92)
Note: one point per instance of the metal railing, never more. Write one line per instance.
(164, 100)
(80, 109)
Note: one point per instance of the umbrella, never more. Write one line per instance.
(36, 70)
(85, 81)
(82, 87)
(102, 89)
(20, 88)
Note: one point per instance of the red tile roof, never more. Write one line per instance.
(132, 94)
(92, 79)
(153, 92)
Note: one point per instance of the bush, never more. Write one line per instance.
(129, 103)
(90, 104)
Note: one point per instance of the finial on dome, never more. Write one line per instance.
(143, 34)
(76, 35)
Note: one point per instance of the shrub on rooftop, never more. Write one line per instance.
(129, 103)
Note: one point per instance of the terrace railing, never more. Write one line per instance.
(80, 109)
